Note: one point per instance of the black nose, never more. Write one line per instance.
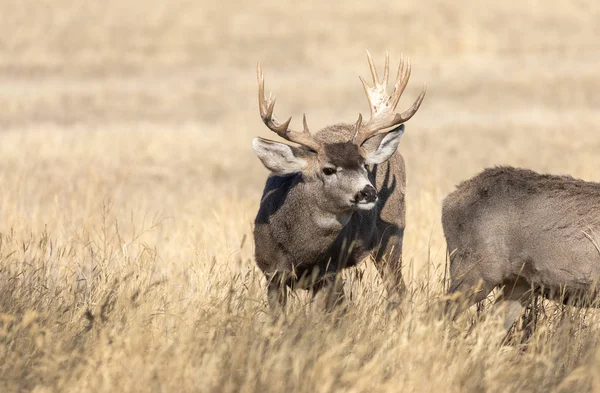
(368, 194)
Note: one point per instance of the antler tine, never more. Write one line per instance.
(261, 91)
(366, 87)
(357, 127)
(386, 69)
(373, 69)
(401, 81)
(381, 104)
(407, 114)
(266, 107)
(304, 124)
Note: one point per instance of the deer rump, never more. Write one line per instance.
(526, 232)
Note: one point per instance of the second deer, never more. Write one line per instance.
(526, 233)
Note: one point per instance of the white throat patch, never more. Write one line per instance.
(331, 221)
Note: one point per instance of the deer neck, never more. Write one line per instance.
(305, 228)
(329, 222)
(322, 219)
(305, 209)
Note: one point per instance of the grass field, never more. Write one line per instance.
(128, 189)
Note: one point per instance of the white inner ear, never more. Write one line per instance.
(387, 147)
(277, 157)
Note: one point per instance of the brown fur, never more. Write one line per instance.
(288, 243)
(526, 232)
(344, 155)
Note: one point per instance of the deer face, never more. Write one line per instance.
(338, 175)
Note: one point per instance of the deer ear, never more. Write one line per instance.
(279, 158)
(386, 148)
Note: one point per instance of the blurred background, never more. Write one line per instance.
(153, 104)
(123, 61)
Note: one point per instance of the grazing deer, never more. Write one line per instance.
(321, 210)
(527, 233)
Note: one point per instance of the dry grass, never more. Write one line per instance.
(129, 189)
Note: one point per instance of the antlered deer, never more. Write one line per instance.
(532, 234)
(321, 209)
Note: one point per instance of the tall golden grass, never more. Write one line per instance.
(128, 189)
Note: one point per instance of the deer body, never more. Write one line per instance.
(294, 233)
(335, 199)
(527, 232)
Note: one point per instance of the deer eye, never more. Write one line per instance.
(328, 171)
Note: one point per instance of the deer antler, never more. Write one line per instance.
(383, 105)
(266, 106)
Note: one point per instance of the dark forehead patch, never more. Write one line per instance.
(344, 155)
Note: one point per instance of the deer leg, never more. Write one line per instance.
(277, 291)
(510, 305)
(465, 290)
(389, 266)
(328, 293)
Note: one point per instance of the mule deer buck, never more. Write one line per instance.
(336, 198)
(527, 233)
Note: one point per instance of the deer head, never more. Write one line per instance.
(337, 170)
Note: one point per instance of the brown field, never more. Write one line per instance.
(128, 190)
